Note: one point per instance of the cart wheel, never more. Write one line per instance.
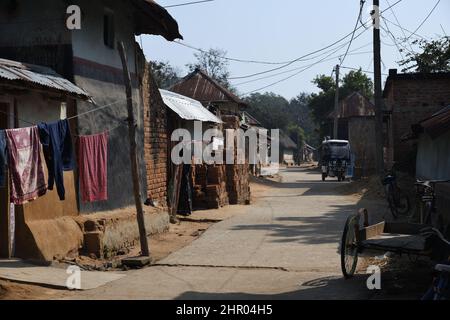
(349, 249)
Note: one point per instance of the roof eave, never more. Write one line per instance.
(151, 18)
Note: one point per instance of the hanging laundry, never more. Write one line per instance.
(58, 152)
(25, 165)
(3, 158)
(92, 166)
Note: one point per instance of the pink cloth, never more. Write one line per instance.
(25, 165)
(92, 165)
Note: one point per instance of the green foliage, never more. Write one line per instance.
(356, 81)
(300, 114)
(435, 57)
(296, 133)
(293, 117)
(270, 109)
(212, 63)
(322, 103)
(164, 74)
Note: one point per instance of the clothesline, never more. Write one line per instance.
(78, 115)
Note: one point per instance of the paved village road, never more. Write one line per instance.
(284, 247)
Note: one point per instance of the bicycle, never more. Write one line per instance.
(426, 196)
(440, 284)
(398, 201)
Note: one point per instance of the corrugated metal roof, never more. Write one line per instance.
(187, 108)
(436, 125)
(18, 72)
(198, 85)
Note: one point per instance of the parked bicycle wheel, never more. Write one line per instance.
(391, 201)
(349, 249)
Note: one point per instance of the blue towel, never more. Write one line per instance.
(58, 152)
(3, 158)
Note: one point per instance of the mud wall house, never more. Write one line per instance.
(183, 113)
(31, 94)
(250, 122)
(433, 155)
(356, 120)
(223, 184)
(288, 150)
(89, 58)
(410, 98)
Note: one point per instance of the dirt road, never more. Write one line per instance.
(283, 247)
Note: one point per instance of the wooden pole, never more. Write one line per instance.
(336, 106)
(133, 156)
(377, 86)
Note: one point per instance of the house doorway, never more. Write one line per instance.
(7, 222)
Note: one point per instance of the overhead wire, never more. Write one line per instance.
(297, 73)
(186, 3)
(309, 54)
(397, 20)
(361, 7)
(424, 20)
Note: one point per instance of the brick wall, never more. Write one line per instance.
(155, 140)
(361, 132)
(411, 101)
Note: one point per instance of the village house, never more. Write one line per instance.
(409, 98)
(217, 185)
(288, 150)
(200, 86)
(89, 58)
(185, 113)
(356, 123)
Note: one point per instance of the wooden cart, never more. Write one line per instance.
(398, 237)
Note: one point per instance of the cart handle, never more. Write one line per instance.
(365, 214)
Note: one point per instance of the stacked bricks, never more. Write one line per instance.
(210, 188)
(237, 175)
(155, 140)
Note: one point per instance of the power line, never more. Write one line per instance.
(297, 73)
(296, 60)
(424, 20)
(187, 3)
(361, 6)
(227, 58)
(309, 54)
(404, 29)
(359, 69)
(396, 19)
(295, 69)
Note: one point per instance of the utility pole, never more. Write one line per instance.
(378, 95)
(133, 155)
(336, 105)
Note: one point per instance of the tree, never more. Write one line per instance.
(356, 81)
(270, 109)
(165, 75)
(300, 114)
(435, 57)
(213, 64)
(322, 103)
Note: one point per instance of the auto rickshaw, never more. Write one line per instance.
(335, 158)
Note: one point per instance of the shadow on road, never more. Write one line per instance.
(331, 288)
(326, 228)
